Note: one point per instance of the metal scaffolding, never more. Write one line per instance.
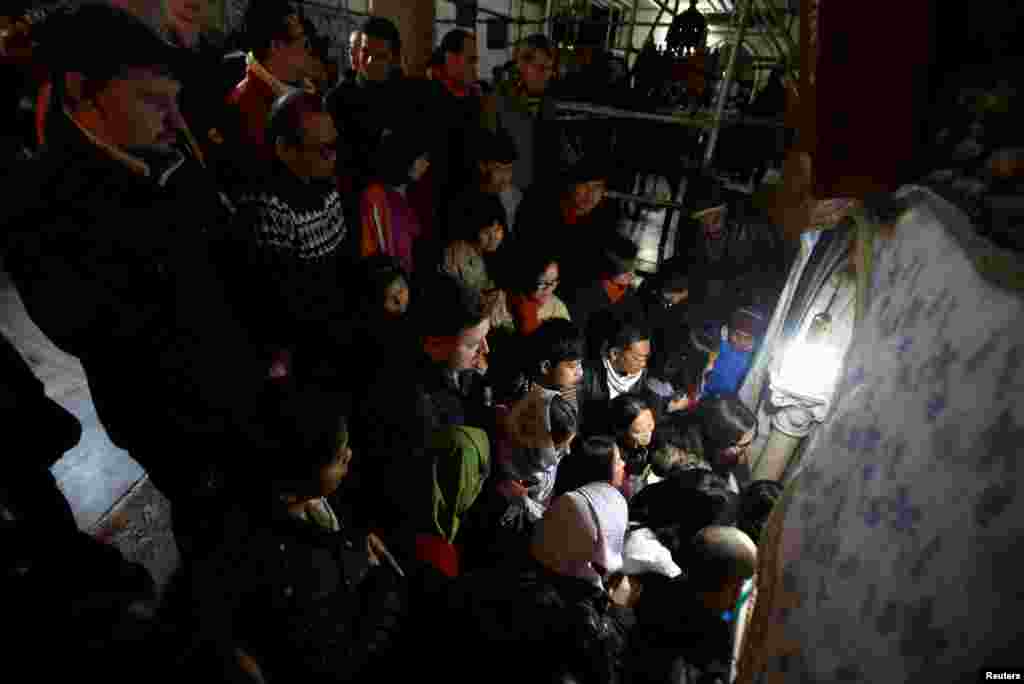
(711, 122)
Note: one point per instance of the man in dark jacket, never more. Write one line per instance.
(114, 265)
(364, 105)
(455, 110)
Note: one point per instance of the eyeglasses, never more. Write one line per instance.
(547, 284)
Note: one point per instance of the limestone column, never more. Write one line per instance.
(415, 21)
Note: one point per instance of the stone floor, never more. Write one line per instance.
(103, 484)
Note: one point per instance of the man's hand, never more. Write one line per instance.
(249, 666)
(680, 404)
(375, 548)
(625, 593)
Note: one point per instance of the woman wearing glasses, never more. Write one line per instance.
(533, 299)
(727, 428)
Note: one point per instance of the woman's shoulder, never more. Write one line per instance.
(555, 308)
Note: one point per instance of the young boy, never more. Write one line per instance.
(729, 364)
(292, 591)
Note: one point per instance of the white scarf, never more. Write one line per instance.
(620, 384)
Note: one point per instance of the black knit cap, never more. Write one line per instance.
(100, 41)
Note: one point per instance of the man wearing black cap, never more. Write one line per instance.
(113, 260)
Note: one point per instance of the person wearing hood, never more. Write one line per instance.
(459, 462)
(538, 431)
(562, 604)
(390, 225)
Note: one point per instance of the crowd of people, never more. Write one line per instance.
(388, 360)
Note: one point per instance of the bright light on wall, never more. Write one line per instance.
(809, 369)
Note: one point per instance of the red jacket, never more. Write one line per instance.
(253, 97)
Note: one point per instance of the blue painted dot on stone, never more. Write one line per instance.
(857, 376)
(936, 405)
(904, 345)
(870, 471)
(871, 439)
(854, 440)
(873, 516)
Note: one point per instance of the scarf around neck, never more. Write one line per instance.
(614, 291)
(526, 312)
(620, 384)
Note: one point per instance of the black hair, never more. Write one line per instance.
(378, 273)
(556, 340)
(447, 307)
(723, 422)
(475, 211)
(287, 113)
(627, 332)
(313, 427)
(682, 505)
(384, 29)
(624, 409)
(454, 42)
(670, 436)
(265, 22)
(756, 502)
(592, 461)
(564, 419)
(527, 264)
(395, 153)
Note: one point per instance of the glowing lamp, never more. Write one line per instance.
(811, 365)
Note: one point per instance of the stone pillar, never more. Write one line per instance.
(415, 21)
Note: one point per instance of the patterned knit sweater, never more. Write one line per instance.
(293, 219)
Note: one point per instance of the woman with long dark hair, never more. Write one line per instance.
(727, 428)
(631, 420)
